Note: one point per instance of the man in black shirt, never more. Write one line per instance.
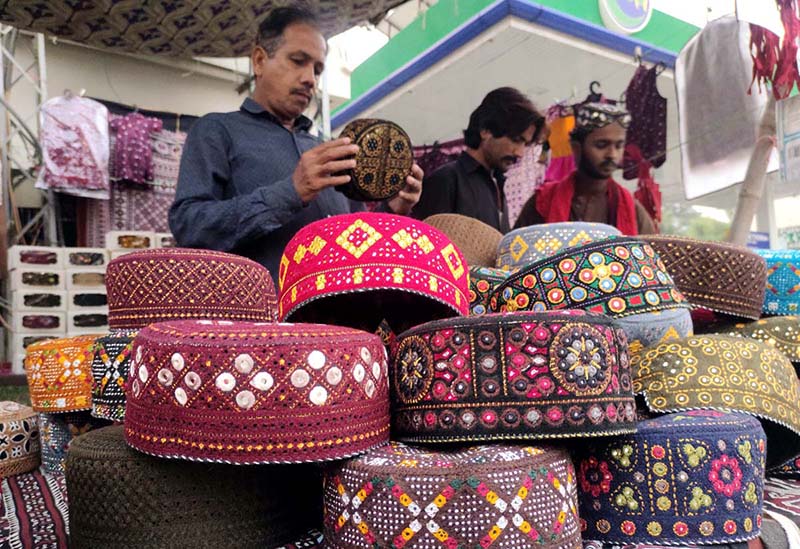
(499, 130)
(250, 179)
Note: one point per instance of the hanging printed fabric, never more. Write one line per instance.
(75, 149)
(133, 155)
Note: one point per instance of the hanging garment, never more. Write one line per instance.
(562, 163)
(718, 120)
(775, 59)
(75, 150)
(522, 180)
(648, 128)
(167, 148)
(133, 156)
(647, 192)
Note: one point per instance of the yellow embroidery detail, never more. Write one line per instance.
(404, 240)
(453, 261)
(372, 236)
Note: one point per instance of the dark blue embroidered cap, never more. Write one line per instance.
(683, 478)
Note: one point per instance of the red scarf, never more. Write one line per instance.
(554, 202)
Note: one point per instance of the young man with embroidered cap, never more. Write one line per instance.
(472, 185)
(249, 180)
(590, 193)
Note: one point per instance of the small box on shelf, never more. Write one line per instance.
(130, 240)
(29, 278)
(87, 322)
(89, 277)
(165, 240)
(90, 299)
(79, 258)
(21, 340)
(39, 300)
(46, 257)
(54, 322)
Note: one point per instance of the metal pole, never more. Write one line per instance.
(52, 225)
(326, 108)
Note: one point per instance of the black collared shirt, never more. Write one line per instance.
(235, 190)
(464, 187)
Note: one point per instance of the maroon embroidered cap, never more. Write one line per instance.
(181, 283)
(241, 392)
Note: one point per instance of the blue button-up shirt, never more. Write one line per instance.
(235, 190)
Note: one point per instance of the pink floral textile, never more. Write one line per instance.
(75, 147)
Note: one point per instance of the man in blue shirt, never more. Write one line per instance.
(249, 180)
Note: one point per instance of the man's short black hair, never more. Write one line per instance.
(270, 31)
(504, 112)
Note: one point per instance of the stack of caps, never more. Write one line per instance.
(19, 439)
(170, 284)
(622, 277)
(60, 387)
(227, 391)
(725, 373)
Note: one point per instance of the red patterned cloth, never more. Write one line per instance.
(775, 61)
(357, 269)
(554, 200)
(181, 283)
(140, 208)
(238, 392)
(33, 512)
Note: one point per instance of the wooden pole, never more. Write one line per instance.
(753, 187)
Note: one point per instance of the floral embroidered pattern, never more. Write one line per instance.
(725, 475)
(683, 481)
(562, 373)
(618, 276)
